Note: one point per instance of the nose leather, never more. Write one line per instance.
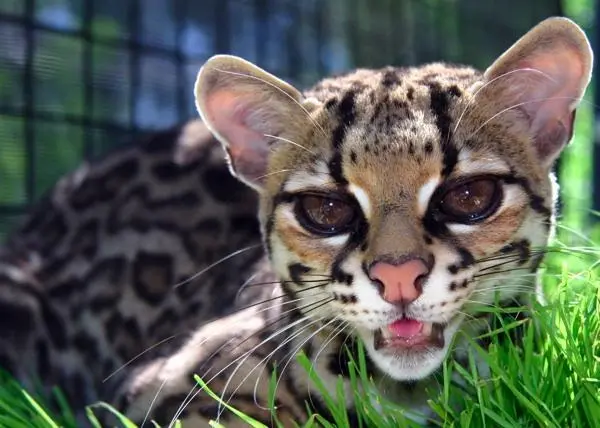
(402, 282)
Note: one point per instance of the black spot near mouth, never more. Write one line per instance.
(296, 271)
(522, 248)
(466, 260)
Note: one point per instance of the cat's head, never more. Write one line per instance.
(398, 200)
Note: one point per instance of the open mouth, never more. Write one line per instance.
(407, 333)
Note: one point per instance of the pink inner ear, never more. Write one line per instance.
(550, 93)
(546, 86)
(248, 148)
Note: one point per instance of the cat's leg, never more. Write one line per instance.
(231, 355)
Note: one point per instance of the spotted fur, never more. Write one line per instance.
(100, 271)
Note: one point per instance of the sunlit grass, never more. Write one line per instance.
(552, 379)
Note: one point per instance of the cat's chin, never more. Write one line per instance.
(403, 360)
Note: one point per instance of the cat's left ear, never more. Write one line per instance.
(249, 111)
(544, 74)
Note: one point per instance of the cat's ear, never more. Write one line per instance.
(544, 74)
(246, 109)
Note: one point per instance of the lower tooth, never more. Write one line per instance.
(377, 340)
(427, 327)
(437, 336)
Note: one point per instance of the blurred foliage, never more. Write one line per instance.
(92, 84)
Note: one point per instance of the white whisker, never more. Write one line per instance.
(218, 262)
(138, 356)
(290, 142)
(513, 107)
(471, 101)
(277, 88)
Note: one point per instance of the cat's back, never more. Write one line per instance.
(118, 251)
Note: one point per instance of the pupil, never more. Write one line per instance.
(329, 211)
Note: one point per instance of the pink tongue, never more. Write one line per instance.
(406, 328)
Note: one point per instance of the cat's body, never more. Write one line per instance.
(392, 203)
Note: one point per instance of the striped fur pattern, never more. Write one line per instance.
(439, 163)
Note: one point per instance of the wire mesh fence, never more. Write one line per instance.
(78, 77)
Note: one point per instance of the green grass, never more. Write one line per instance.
(551, 380)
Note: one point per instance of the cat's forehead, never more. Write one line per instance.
(405, 109)
(390, 125)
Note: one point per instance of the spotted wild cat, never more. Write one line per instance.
(390, 204)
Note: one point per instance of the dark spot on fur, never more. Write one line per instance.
(454, 91)
(85, 239)
(55, 326)
(296, 271)
(429, 146)
(390, 78)
(535, 201)
(170, 171)
(222, 186)
(152, 276)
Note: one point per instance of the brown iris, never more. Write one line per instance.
(472, 200)
(322, 214)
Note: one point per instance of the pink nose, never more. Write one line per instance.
(401, 283)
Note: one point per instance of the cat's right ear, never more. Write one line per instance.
(246, 109)
(544, 75)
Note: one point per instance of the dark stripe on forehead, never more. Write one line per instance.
(335, 169)
(439, 105)
(347, 115)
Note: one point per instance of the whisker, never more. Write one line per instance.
(516, 287)
(472, 100)
(282, 316)
(283, 296)
(481, 275)
(153, 402)
(513, 107)
(504, 263)
(308, 281)
(295, 351)
(314, 122)
(290, 142)
(139, 355)
(244, 286)
(532, 252)
(244, 355)
(275, 334)
(336, 332)
(203, 271)
(262, 361)
(193, 392)
(273, 173)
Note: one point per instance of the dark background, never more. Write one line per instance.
(79, 77)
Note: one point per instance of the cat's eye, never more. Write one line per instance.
(325, 215)
(471, 201)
